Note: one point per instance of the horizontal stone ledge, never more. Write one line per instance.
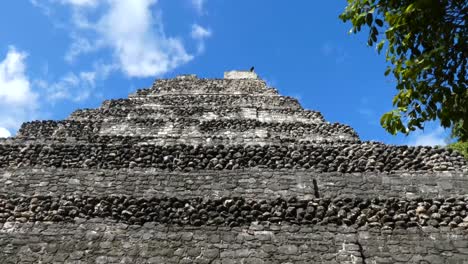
(253, 183)
(355, 212)
(101, 224)
(169, 140)
(71, 128)
(343, 157)
(196, 111)
(207, 100)
(191, 84)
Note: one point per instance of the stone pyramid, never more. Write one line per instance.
(222, 171)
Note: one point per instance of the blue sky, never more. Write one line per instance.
(60, 55)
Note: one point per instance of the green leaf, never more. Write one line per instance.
(369, 18)
(410, 8)
(380, 46)
(379, 22)
(426, 53)
(387, 71)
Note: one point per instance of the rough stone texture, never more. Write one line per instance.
(223, 171)
(252, 184)
(355, 157)
(96, 241)
(191, 129)
(240, 75)
(387, 213)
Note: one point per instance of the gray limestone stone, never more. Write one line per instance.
(223, 171)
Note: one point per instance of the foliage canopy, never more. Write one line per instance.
(426, 44)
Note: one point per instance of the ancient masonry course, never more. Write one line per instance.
(223, 171)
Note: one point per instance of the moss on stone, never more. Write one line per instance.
(461, 147)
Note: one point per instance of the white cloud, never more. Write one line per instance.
(434, 137)
(198, 5)
(199, 34)
(14, 88)
(17, 101)
(4, 133)
(41, 5)
(80, 46)
(132, 30)
(140, 44)
(79, 3)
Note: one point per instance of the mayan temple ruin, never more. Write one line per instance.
(223, 171)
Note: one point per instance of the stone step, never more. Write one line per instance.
(206, 86)
(57, 129)
(187, 128)
(218, 101)
(168, 139)
(247, 183)
(207, 100)
(204, 113)
(237, 211)
(352, 157)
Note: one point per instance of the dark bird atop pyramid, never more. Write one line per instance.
(252, 69)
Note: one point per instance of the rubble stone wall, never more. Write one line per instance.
(383, 213)
(207, 100)
(206, 86)
(351, 157)
(188, 128)
(265, 115)
(97, 241)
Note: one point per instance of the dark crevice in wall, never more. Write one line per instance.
(316, 190)
(361, 252)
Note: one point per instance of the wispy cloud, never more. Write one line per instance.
(331, 50)
(139, 45)
(366, 111)
(74, 87)
(198, 5)
(434, 137)
(17, 100)
(199, 34)
(81, 45)
(81, 2)
(21, 97)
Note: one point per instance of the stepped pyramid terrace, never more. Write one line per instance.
(221, 171)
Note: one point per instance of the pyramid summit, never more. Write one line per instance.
(200, 111)
(194, 170)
